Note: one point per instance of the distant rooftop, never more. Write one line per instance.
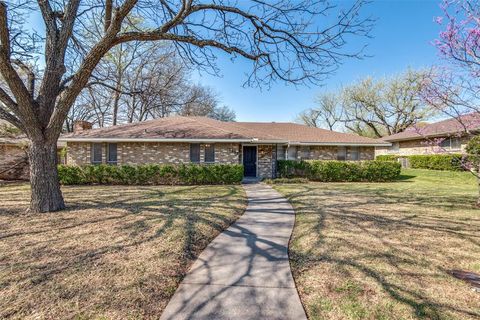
(469, 122)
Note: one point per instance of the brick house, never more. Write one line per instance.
(13, 154)
(203, 140)
(13, 158)
(447, 136)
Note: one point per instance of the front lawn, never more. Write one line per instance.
(384, 250)
(118, 252)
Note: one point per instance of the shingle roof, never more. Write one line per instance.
(470, 122)
(198, 128)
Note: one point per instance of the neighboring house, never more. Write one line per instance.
(13, 158)
(447, 136)
(202, 140)
(13, 154)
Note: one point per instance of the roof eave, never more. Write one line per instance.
(435, 135)
(352, 144)
(199, 140)
(188, 140)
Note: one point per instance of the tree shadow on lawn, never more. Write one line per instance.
(405, 177)
(403, 243)
(148, 233)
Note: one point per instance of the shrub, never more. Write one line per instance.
(338, 171)
(291, 168)
(70, 175)
(151, 174)
(473, 150)
(387, 157)
(436, 162)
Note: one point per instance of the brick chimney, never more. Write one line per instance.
(81, 125)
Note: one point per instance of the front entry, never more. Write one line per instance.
(250, 161)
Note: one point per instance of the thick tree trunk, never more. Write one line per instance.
(46, 193)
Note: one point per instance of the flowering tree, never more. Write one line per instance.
(455, 89)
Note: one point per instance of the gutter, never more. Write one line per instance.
(254, 141)
(167, 140)
(385, 144)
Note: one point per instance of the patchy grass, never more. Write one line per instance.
(383, 250)
(118, 252)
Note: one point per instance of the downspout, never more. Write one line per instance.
(274, 174)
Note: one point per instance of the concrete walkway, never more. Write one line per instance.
(244, 273)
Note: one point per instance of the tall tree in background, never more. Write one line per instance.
(293, 41)
(145, 80)
(326, 114)
(375, 108)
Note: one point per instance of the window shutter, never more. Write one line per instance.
(341, 153)
(210, 153)
(96, 153)
(112, 153)
(195, 152)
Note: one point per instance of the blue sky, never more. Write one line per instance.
(402, 38)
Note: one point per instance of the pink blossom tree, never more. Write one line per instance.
(454, 89)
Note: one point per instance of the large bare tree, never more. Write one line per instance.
(326, 114)
(374, 107)
(293, 41)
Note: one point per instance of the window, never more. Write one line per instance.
(352, 153)
(112, 153)
(305, 153)
(445, 143)
(451, 143)
(341, 153)
(396, 146)
(210, 153)
(292, 153)
(281, 151)
(195, 152)
(455, 143)
(96, 153)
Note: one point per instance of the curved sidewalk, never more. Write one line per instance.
(244, 273)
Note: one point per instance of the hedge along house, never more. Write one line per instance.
(447, 136)
(202, 140)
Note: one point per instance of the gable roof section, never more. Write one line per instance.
(296, 133)
(202, 129)
(470, 122)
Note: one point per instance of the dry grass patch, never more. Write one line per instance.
(383, 251)
(118, 252)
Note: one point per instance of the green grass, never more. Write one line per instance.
(383, 250)
(117, 252)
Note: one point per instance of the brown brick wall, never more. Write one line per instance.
(418, 146)
(266, 161)
(367, 153)
(330, 153)
(323, 153)
(151, 152)
(13, 162)
(78, 153)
